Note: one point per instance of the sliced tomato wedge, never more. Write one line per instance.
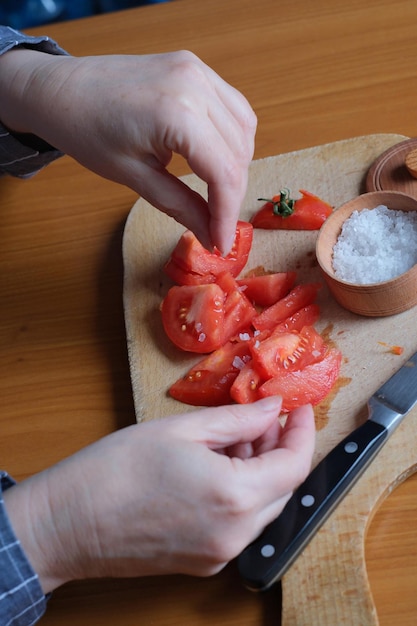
(182, 277)
(193, 317)
(208, 382)
(298, 298)
(307, 386)
(246, 384)
(267, 289)
(287, 351)
(307, 316)
(190, 263)
(201, 318)
(309, 213)
(238, 310)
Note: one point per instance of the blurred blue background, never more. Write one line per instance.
(22, 14)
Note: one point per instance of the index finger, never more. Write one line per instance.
(225, 199)
(227, 193)
(219, 147)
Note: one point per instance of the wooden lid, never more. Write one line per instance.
(411, 162)
(389, 171)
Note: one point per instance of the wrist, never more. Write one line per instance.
(23, 72)
(31, 517)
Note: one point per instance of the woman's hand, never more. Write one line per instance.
(184, 494)
(124, 116)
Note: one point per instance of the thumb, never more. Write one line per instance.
(226, 426)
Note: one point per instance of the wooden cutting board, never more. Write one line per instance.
(328, 584)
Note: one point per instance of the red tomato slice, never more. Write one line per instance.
(238, 311)
(267, 289)
(298, 298)
(309, 214)
(181, 277)
(193, 317)
(208, 382)
(287, 351)
(246, 384)
(190, 263)
(307, 316)
(307, 386)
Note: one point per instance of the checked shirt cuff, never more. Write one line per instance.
(22, 601)
(20, 155)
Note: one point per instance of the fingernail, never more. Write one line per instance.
(227, 246)
(271, 403)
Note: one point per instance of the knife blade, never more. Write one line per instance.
(266, 560)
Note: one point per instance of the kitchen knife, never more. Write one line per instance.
(267, 559)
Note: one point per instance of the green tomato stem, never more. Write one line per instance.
(283, 207)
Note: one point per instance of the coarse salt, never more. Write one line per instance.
(238, 363)
(376, 245)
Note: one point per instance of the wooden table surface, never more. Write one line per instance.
(314, 73)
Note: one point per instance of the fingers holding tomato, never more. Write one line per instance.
(191, 264)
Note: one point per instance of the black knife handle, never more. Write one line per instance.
(265, 560)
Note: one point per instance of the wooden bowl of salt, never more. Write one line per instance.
(367, 252)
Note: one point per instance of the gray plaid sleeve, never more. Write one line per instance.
(22, 602)
(20, 156)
